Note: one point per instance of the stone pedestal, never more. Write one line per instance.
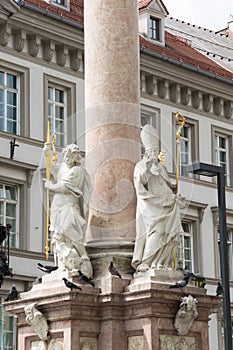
(118, 314)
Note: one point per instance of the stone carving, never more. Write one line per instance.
(62, 53)
(218, 105)
(196, 98)
(158, 209)
(34, 43)
(19, 40)
(48, 50)
(75, 59)
(69, 212)
(4, 35)
(207, 102)
(185, 95)
(37, 320)
(135, 342)
(186, 314)
(228, 109)
(174, 91)
(162, 88)
(151, 85)
(53, 344)
(87, 343)
(171, 342)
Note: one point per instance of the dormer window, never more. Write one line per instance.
(65, 4)
(154, 28)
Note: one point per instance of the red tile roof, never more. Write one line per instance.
(182, 51)
(144, 3)
(76, 9)
(175, 48)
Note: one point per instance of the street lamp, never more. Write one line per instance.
(211, 171)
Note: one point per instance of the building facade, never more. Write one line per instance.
(183, 69)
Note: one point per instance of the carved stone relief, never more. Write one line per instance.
(75, 59)
(37, 321)
(53, 344)
(218, 105)
(135, 342)
(88, 343)
(19, 40)
(48, 50)
(186, 314)
(4, 35)
(172, 342)
(62, 53)
(34, 43)
(185, 95)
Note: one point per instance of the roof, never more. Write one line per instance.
(181, 51)
(195, 46)
(144, 3)
(217, 47)
(76, 12)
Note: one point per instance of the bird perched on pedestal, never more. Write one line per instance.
(219, 289)
(70, 285)
(83, 279)
(182, 283)
(46, 268)
(13, 294)
(113, 270)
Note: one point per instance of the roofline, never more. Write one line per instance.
(187, 66)
(50, 14)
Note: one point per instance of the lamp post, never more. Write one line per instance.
(211, 171)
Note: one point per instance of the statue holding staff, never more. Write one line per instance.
(158, 221)
(69, 211)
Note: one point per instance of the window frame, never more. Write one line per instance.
(70, 89)
(153, 114)
(13, 332)
(65, 6)
(154, 29)
(194, 143)
(219, 132)
(181, 259)
(23, 106)
(16, 201)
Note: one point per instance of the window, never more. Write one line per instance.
(60, 109)
(9, 211)
(7, 331)
(221, 154)
(189, 145)
(149, 116)
(57, 113)
(9, 120)
(154, 28)
(63, 3)
(185, 248)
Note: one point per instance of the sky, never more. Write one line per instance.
(210, 14)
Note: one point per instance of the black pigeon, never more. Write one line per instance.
(182, 283)
(13, 294)
(83, 279)
(47, 269)
(113, 271)
(219, 289)
(70, 284)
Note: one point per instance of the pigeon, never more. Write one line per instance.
(47, 269)
(13, 294)
(113, 270)
(182, 283)
(70, 284)
(219, 289)
(83, 279)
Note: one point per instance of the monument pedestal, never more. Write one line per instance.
(122, 315)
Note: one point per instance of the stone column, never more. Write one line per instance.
(112, 115)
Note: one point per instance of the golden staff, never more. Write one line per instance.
(181, 122)
(180, 119)
(48, 171)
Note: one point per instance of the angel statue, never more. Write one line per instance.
(69, 211)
